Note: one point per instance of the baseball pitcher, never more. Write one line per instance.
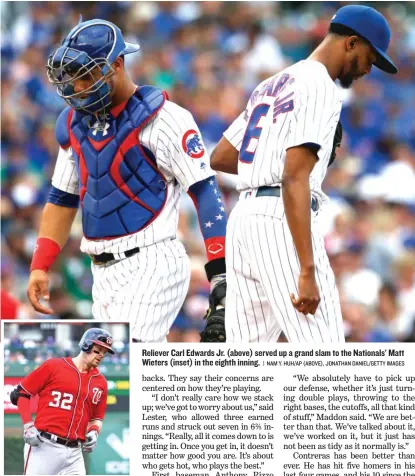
(126, 153)
(70, 411)
(279, 276)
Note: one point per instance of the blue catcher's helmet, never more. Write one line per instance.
(96, 336)
(91, 46)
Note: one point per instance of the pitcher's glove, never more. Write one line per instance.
(215, 316)
(338, 135)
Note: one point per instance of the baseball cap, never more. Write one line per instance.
(373, 27)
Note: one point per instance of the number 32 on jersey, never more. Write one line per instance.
(258, 114)
(61, 400)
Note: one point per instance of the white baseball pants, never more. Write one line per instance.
(147, 289)
(51, 459)
(262, 272)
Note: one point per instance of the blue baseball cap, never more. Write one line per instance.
(373, 27)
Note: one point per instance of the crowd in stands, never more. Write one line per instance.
(209, 56)
(21, 350)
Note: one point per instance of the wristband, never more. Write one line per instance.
(94, 428)
(214, 267)
(46, 251)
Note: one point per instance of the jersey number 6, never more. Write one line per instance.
(252, 133)
(254, 128)
(61, 401)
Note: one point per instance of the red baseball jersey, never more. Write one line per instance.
(68, 398)
(9, 306)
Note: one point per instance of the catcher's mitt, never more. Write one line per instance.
(215, 318)
(338, 135)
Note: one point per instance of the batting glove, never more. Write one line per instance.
(91, 441)
(31, 434)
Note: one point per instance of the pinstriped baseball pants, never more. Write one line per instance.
(263, 270)
(147, 289)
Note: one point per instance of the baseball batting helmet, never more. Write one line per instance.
(96, 336)
(91, 45)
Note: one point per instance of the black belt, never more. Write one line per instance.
(58, 439)
(276, 192)
(106, 257)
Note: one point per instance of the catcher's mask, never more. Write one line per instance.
(88, 52)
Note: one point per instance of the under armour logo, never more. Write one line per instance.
(100, 127)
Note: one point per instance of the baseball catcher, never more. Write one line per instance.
(126, 155)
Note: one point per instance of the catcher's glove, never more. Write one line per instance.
(215, 317)
(338, 135)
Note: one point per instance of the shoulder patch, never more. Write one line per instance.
(192, 144)
(62, 128)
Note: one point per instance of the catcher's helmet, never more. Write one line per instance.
(90, 45)
(96, 336)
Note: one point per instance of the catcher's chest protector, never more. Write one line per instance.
(121, 189)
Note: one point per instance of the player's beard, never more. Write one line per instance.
(347, 80)
(96, 362)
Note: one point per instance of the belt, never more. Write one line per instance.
(276, 192)
(106, 257)
(58, 439)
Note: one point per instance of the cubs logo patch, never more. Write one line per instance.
(109, 341)
(192, 144)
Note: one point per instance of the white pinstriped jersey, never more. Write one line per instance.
(297, 106)
(163, 137)
(300, 105)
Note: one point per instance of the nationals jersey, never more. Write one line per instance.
(300, 105)
(174, 140)
(68, 398)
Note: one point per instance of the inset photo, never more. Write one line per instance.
(66, 398)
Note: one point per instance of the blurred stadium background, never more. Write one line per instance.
(27, 346)
(209, 56)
